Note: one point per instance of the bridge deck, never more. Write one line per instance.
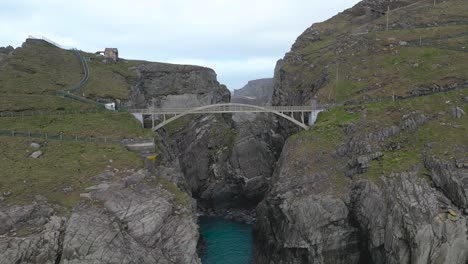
(171, 114)
(224, 109)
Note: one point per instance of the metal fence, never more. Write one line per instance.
(47, 113)
(50, 41)
(84, 80)
(76, 138)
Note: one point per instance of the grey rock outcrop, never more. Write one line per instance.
(137, 219)
(93, 236)
(304, 219)
(171, 85)
(5, 51)
(408, 222)
(253, 156)
(457, 112)
(30, 234)
(35, 145)
(450, 178)
(256, 92)
(36, 154)
(136, 223)
(319, 211)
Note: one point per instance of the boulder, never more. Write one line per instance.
(36, 154)
(457, 112)
(35, 145)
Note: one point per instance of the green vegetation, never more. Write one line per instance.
(110, 80)
(31, 76)
(179, 123)
(63, 165)
(222, 135)
(39, 68)
(46, 103)
(442, 136)
(337, 116)
(105, 124)
(181, 198)
(344, 63)
(29, 80)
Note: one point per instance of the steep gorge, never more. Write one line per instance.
(381, 178)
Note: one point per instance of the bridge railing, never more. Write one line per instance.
(224, 108)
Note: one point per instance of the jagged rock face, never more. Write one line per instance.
(254, 153)
(256, 147)
(138, 223)
(5, 51)
(408, 222)
(132, 220)
(451, 177)
(170, 85)
(41, 233)
(325, 207)
(203, 147)
(305, 219)
(256, 92)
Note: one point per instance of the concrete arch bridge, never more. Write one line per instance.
(298, 115)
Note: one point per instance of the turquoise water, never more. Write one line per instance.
(227, 242)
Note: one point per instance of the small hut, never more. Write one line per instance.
(111, 53)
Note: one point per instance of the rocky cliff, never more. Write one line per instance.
(4, 51)
(136, 219)
(171, 85)
(381, 178)
(256, 92)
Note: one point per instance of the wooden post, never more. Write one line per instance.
(388, 14)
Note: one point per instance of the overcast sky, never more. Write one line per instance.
(240, 39)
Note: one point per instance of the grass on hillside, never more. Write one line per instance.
(425, 13)
(47, 103)
(443, 136)
(356, 67)
(104, 124)
(39, 68)
(63, 165)
(110, 80)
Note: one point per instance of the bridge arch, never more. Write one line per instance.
(236, 108)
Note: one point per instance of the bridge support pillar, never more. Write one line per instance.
(152, 120)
